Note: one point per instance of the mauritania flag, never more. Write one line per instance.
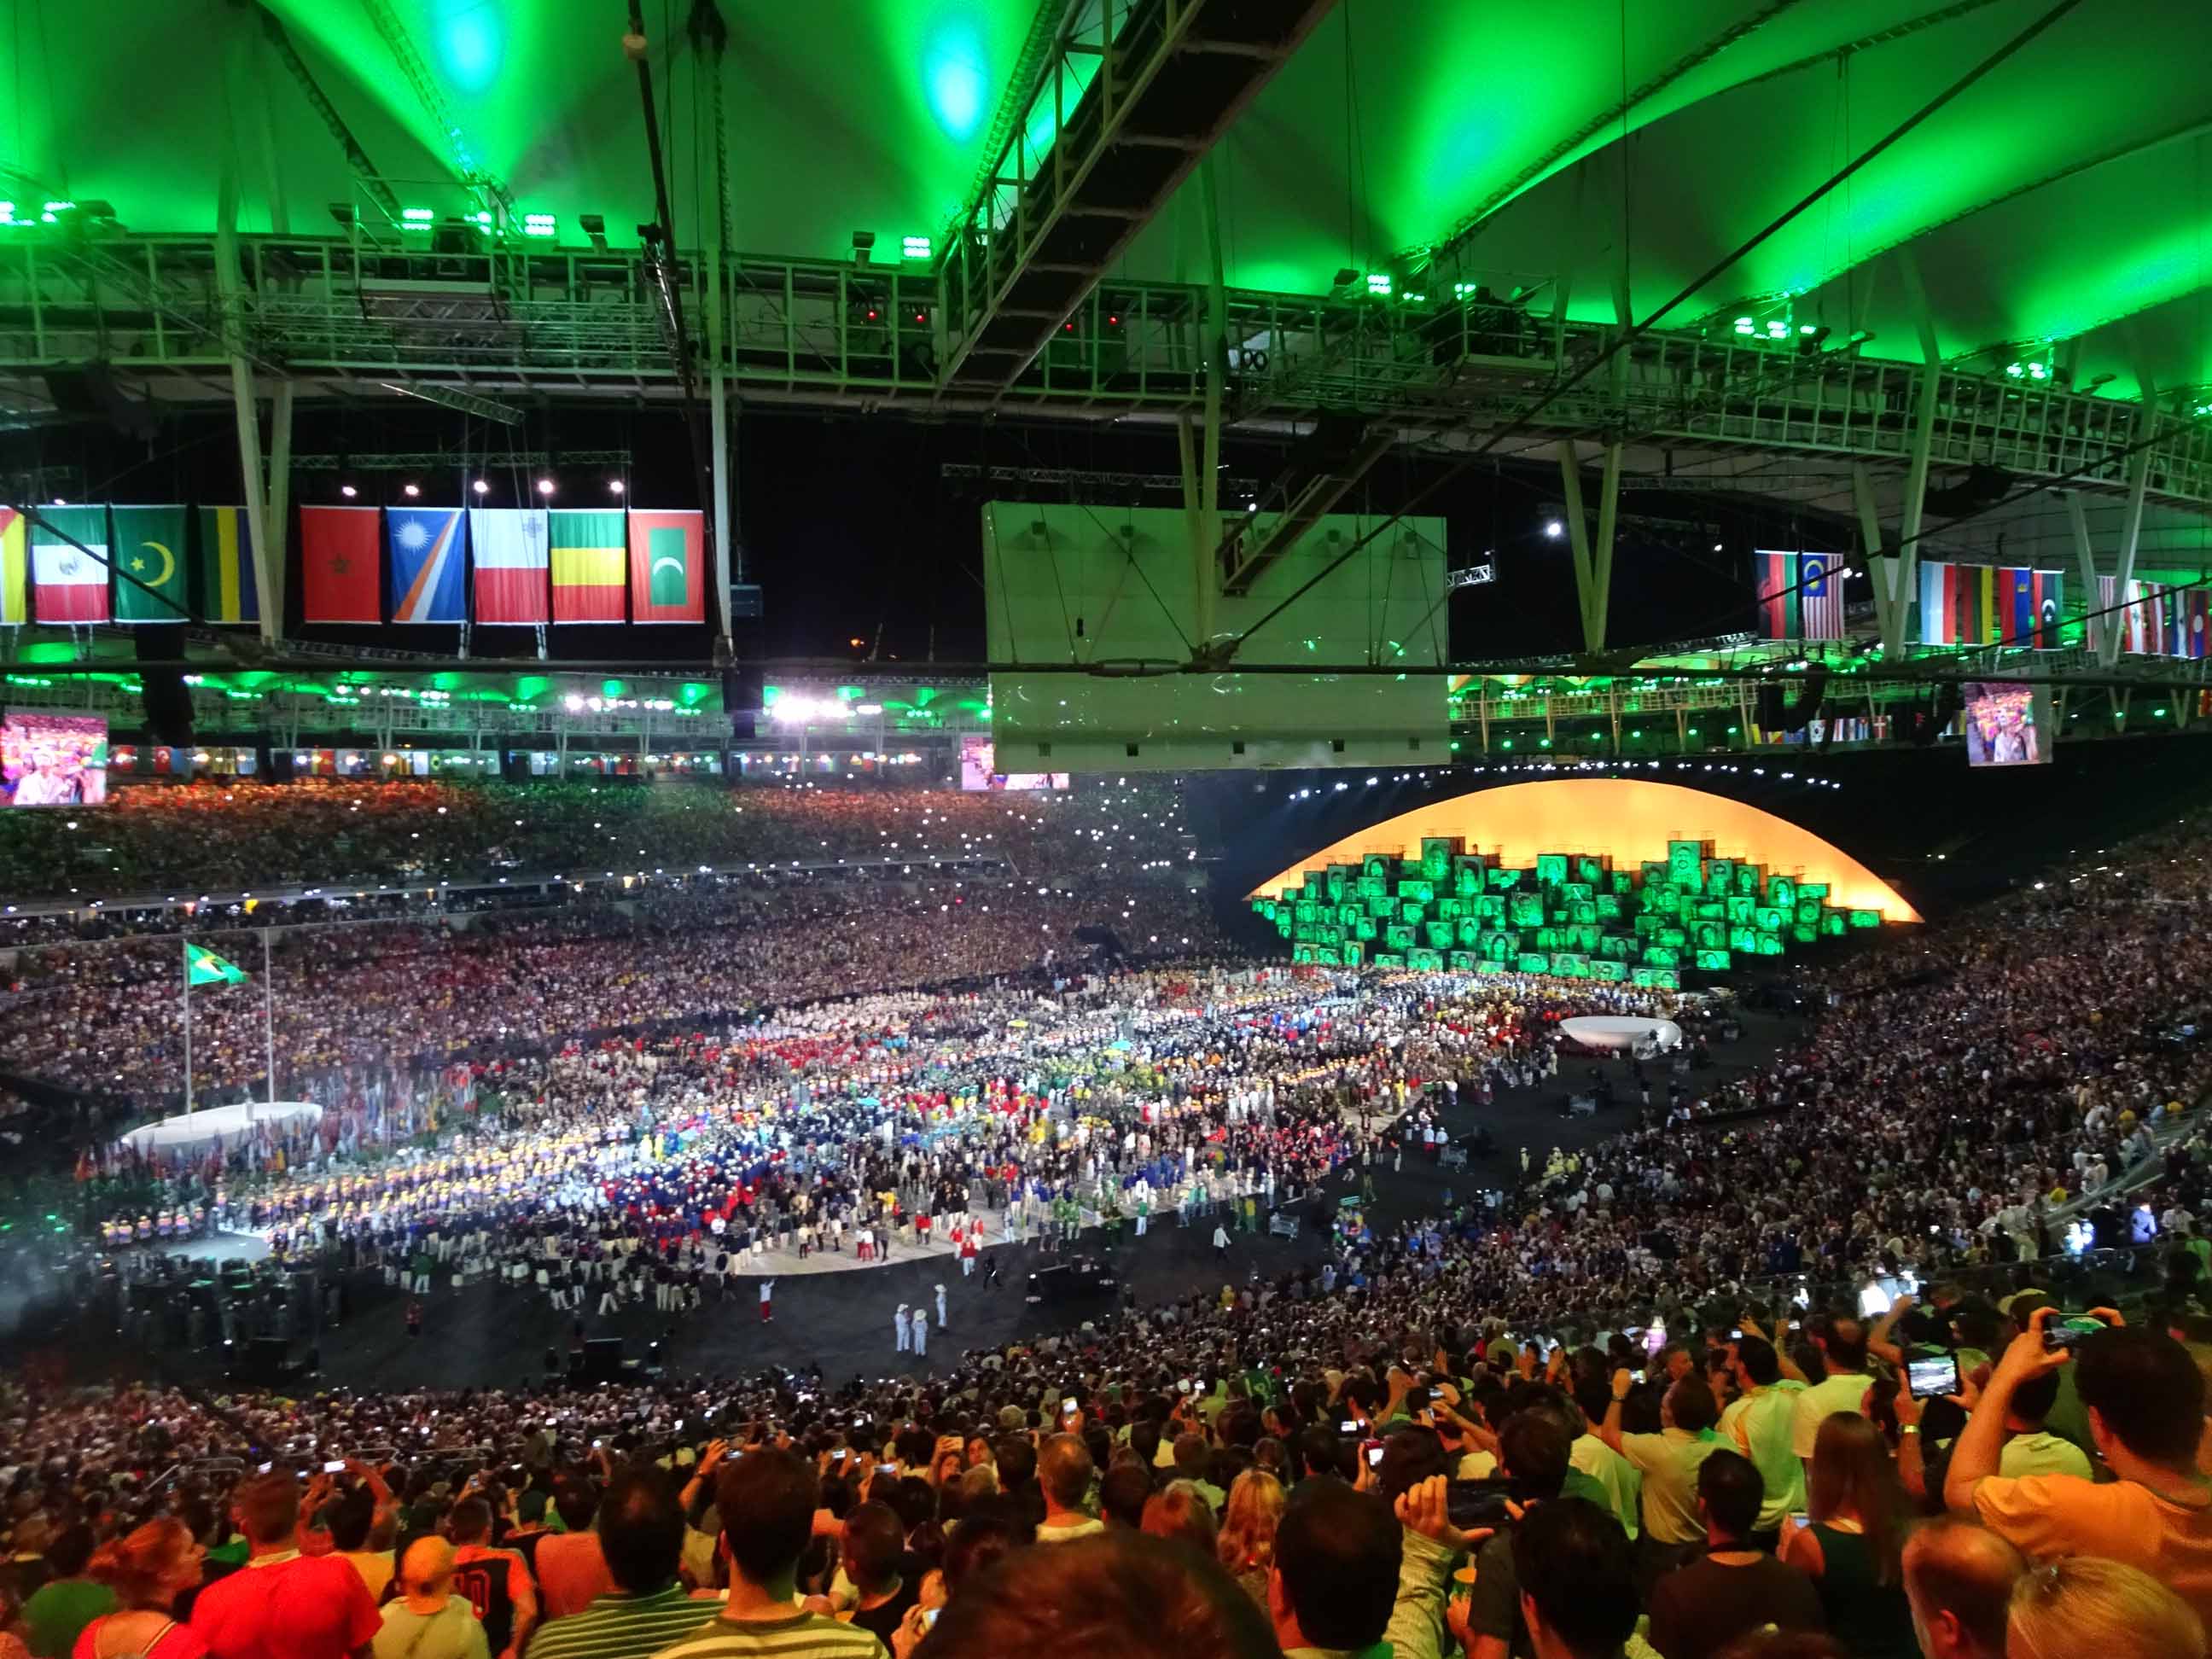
(667, 567)
(509, 546)
(427, 559)
(70, 582)
(1801, 595)
(14, 569)
(203, 967)
(149, 564)
(227, 593)
(585, 549)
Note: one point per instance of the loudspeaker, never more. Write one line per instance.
(167, 703)
(89, 391)
(743, 692)
(514, 766)
(603, 1359)
(275, 764)
(1801, 712)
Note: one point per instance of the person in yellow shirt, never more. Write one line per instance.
(2146, 1403)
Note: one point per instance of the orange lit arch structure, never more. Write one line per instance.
(1621, 818)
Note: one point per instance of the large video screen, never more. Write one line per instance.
(2007, 725)
(979, 769)
(53, 760)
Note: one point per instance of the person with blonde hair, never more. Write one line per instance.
(148, 1569)
(1247, 1544)
(2084, 1604)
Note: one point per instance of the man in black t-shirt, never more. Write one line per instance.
(1699, 1609)
(875, 1540)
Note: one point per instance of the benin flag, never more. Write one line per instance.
(586, 550)
(149, 561)
(15, 572)
(341, 567)
(69, 570)
(203, 967)
(228, 592)
(667, 567)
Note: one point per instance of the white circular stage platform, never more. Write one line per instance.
(213, 1123)
(1622, 1032)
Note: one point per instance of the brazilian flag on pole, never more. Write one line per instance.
(203, 967)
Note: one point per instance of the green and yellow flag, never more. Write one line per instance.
(203, 967)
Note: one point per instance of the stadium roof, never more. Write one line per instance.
(2062, 197)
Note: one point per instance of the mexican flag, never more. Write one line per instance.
(203, 967)
(69, 583)
(149, 557)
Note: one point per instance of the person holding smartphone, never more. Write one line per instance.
(2146, 1403)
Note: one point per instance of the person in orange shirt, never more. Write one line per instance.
(2146, 1402)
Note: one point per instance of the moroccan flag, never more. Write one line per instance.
(70, 584)
(14, 570)
(2032, 607)
(150, 548)
(585, 549)
(228, 592)
(203, 967)
(340, 572)
(509, 545)
(668, 567)
(426, 557)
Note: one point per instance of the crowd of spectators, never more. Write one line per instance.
(228, 837)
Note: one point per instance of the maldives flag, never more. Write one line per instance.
(68, 564)
(509, 545)
(667, 567)
(340, 573)
(426, 563)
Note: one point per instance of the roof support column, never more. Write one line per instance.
(1593, 565)
(1881, 571)
(2094, 627)
(1202, 492)
(1905, 579)
(2123, 564)
(266, 530)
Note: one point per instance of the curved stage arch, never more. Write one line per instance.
(1626, 818)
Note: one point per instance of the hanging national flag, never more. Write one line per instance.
(1958, 603)
(1801, 596)
(203, 967)
(667, 567)
(426, 557)
(227, 590)
(340, 578)
(69, 580)
(2032, 605)
(149, 564)
(14, 569)
(2197, 631)
(2129, 613)
(509, 546)
(585, 549)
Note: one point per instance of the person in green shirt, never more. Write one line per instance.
(61, 1607)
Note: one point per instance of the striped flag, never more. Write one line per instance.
(427, 545)
(1958, 604)
(667, 567)
(14, 569)
(2033, 599)
(68, 582)
(509, 546)
(340, 573)
(227, 591)
(1801, 595)
(2132, 613)
(585, 551)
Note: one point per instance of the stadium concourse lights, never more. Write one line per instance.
(481, 487)
(545, 487)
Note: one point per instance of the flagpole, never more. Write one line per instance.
(186, 944)
(268, 1017)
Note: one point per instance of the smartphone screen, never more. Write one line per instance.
(1374, 1456)
(333, 1468)
(1350, 1426)
(1933, 1376)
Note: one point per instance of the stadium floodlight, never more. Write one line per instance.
(545, 487)
(1743, 326)
(481, 487)
(417, 218)
(864, 242)
(594, 225)
(1379, 283)
(539, 224)
(914, 247)
(1554, 528)
(2015, 370)
(410, 490)
(616, 487)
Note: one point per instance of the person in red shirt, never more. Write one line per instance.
(281, 1605)
(497, 1582)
